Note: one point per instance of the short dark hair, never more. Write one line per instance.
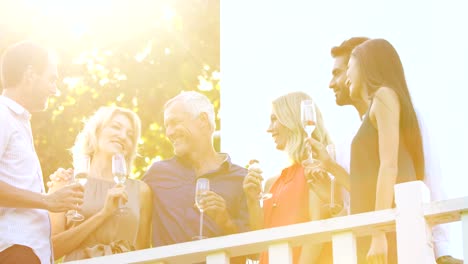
(18, 57)
(347, 46)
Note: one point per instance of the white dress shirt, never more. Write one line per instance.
(20, 167)
(343, 158)
(433, 180)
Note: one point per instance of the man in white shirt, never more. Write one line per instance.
(341, 56)
(28, 76)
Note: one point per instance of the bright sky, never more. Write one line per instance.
(269, 48)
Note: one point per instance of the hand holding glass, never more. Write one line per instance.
(202, 186)
(254, 164)
(80, 175)
(119, 171)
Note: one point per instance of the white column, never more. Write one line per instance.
(280, 253)
(344, 248)
(464, 219)
(413, 233)
(217, 258)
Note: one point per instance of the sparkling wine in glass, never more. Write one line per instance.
(81, 178)
(255, 164)
(308, 116)
(80, 175)
(119, 171)
(202, 186)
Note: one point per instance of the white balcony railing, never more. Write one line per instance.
(411, 219)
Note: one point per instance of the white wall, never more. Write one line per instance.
(269, 48)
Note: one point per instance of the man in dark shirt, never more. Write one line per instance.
(189, 119)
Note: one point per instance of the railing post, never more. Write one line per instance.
(280, 253)
(219, 257)
(344, 248)
(413, 233)
(464, 219)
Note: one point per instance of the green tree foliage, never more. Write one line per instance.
(140, 71)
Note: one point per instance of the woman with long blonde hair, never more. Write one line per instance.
(292, 200)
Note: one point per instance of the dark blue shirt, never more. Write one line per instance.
(175, 217)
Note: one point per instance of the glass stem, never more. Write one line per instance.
(201, 224)
(120, 204)
(332, 191)
(309, 149)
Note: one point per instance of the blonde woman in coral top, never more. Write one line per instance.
(292, 201)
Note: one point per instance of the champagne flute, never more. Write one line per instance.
(333, 208)
(119, 171)
(80, 175)
(202, 186)
(308, 121)
(331, 151)
(262, 196)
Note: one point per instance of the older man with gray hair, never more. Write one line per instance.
(189, 119)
